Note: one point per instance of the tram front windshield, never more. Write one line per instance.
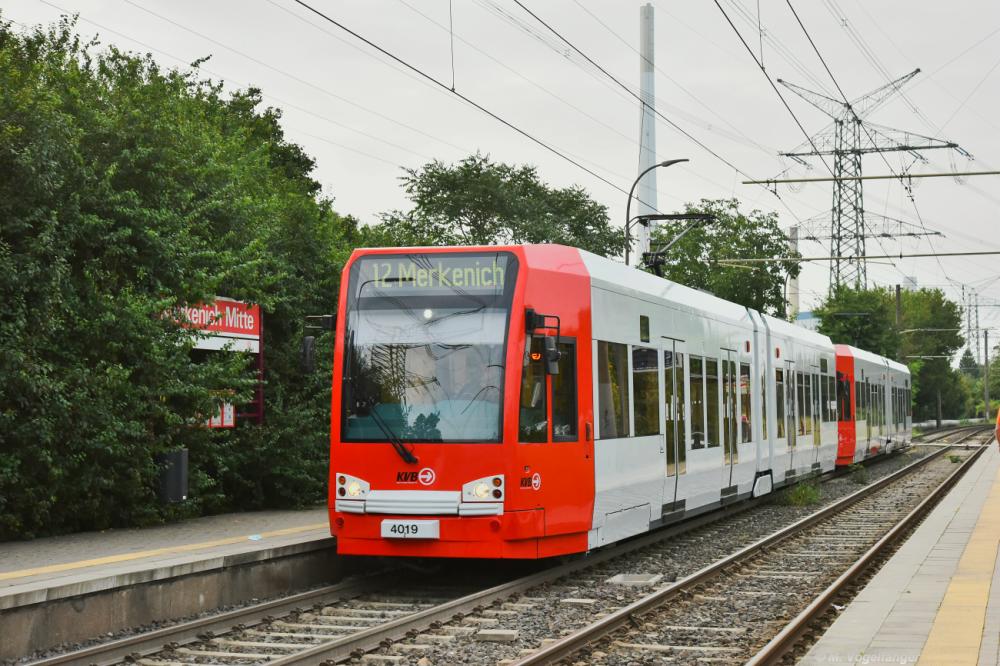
(424, 347)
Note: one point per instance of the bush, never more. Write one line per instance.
(125, 191)
(858, 473)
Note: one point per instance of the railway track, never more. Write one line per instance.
(442, 623)
(725, 612)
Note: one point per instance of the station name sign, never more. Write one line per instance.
(233, 325)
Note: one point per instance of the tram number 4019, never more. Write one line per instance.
(411, 529)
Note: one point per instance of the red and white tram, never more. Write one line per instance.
(539, 400)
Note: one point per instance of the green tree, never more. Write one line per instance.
(927, 337)
(968, 365)
(935, 322)
(864, 318)
(693, 260)
(481, 202)
(126, 191)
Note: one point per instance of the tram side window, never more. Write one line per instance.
(697, 404)
(899, 408)
(831, 398)
(763, 404)
(727, 417)
(673, 381)
(803, 405)
(823, 400)
(877, 406)
(647, 391)
(817, 406)
(712, 404)
(808, 416)
(533, 424)
(612, 389)
(844, 397)
(882, 420)
(859, 402)
(681, 419)
(564, 415)
(817, 402)
(745, 429)
(779, 401)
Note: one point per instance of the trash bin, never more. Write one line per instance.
(173, 475)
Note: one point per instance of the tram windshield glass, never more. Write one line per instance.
(424, 347)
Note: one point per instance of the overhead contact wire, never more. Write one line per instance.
(464, 98)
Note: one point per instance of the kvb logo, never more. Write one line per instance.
(426, 476)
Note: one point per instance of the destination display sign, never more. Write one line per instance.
(432, 274)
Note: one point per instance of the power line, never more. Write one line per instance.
(639, 98)
(461, 96)
(749, 141)
(222, 78)
(534, 83)
(901, 255)
(771, 83)
(860, 124)
(627, 89)
(293, 77)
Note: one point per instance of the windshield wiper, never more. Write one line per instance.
(404, 453)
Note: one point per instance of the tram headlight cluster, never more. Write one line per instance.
(351, 487)
(486, 489)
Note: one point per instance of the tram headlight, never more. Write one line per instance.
(351, 487)
(486, 489)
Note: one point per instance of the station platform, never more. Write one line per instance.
(93, 583)
(936, 602)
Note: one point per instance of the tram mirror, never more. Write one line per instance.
(307, 355)
(551, 355)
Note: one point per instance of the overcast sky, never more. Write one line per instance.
(364, 118)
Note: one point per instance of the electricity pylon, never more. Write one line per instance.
(847, 139)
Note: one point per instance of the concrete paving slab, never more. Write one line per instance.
(891, 618)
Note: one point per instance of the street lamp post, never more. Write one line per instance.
(628, 206)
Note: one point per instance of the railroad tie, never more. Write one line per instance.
(260, 644)
(288, 634)
(225, 655)
(655, 647)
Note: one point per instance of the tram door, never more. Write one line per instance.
(730, 415)
(675, 416)
(791, 411)
(817, 413)
(869, 411)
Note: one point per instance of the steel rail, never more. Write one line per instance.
(793, 631)
(154, 641)
(369, 639)
(571, 643)
(186, 632)
(363, 641)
